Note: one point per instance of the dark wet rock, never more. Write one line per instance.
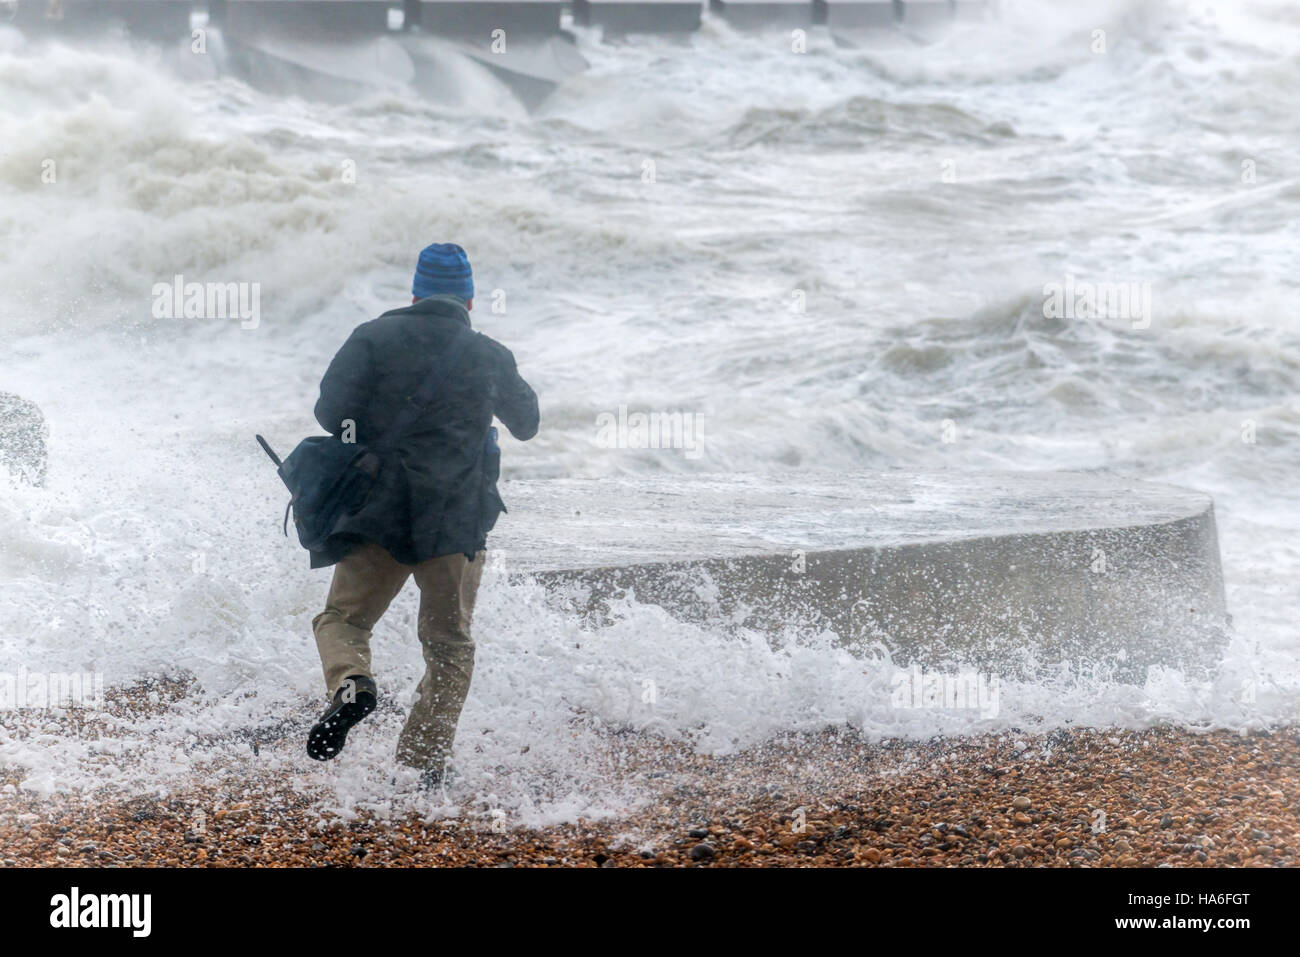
(141, 809)
(23, 438)
(703, 852)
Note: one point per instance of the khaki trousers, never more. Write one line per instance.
(365, 583)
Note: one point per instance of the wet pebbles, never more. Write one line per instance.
(1078, 799)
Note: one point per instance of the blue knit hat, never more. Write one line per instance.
(443, 269)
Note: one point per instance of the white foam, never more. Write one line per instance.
(923, 305)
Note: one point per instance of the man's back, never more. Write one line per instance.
(430, 496)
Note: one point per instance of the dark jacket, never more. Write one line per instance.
(429, 496)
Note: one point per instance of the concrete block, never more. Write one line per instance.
(1006, 572)
(466, 18)
(856, 14)
(639, 16)
(758, 14)
(161, 20)
(925, 13)
(972, 9)
(307, 19)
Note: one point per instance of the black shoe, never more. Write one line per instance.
(352, 702)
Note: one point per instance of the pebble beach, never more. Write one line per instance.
(1005, 254)
(1085, 798)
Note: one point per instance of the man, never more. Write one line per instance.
(432, 504)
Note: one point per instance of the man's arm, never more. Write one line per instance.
(345, 388)
(516, 402)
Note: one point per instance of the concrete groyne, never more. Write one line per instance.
(160, 20)
(1005, 572)
(620, 17)
(458, 19)
(337, 50)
